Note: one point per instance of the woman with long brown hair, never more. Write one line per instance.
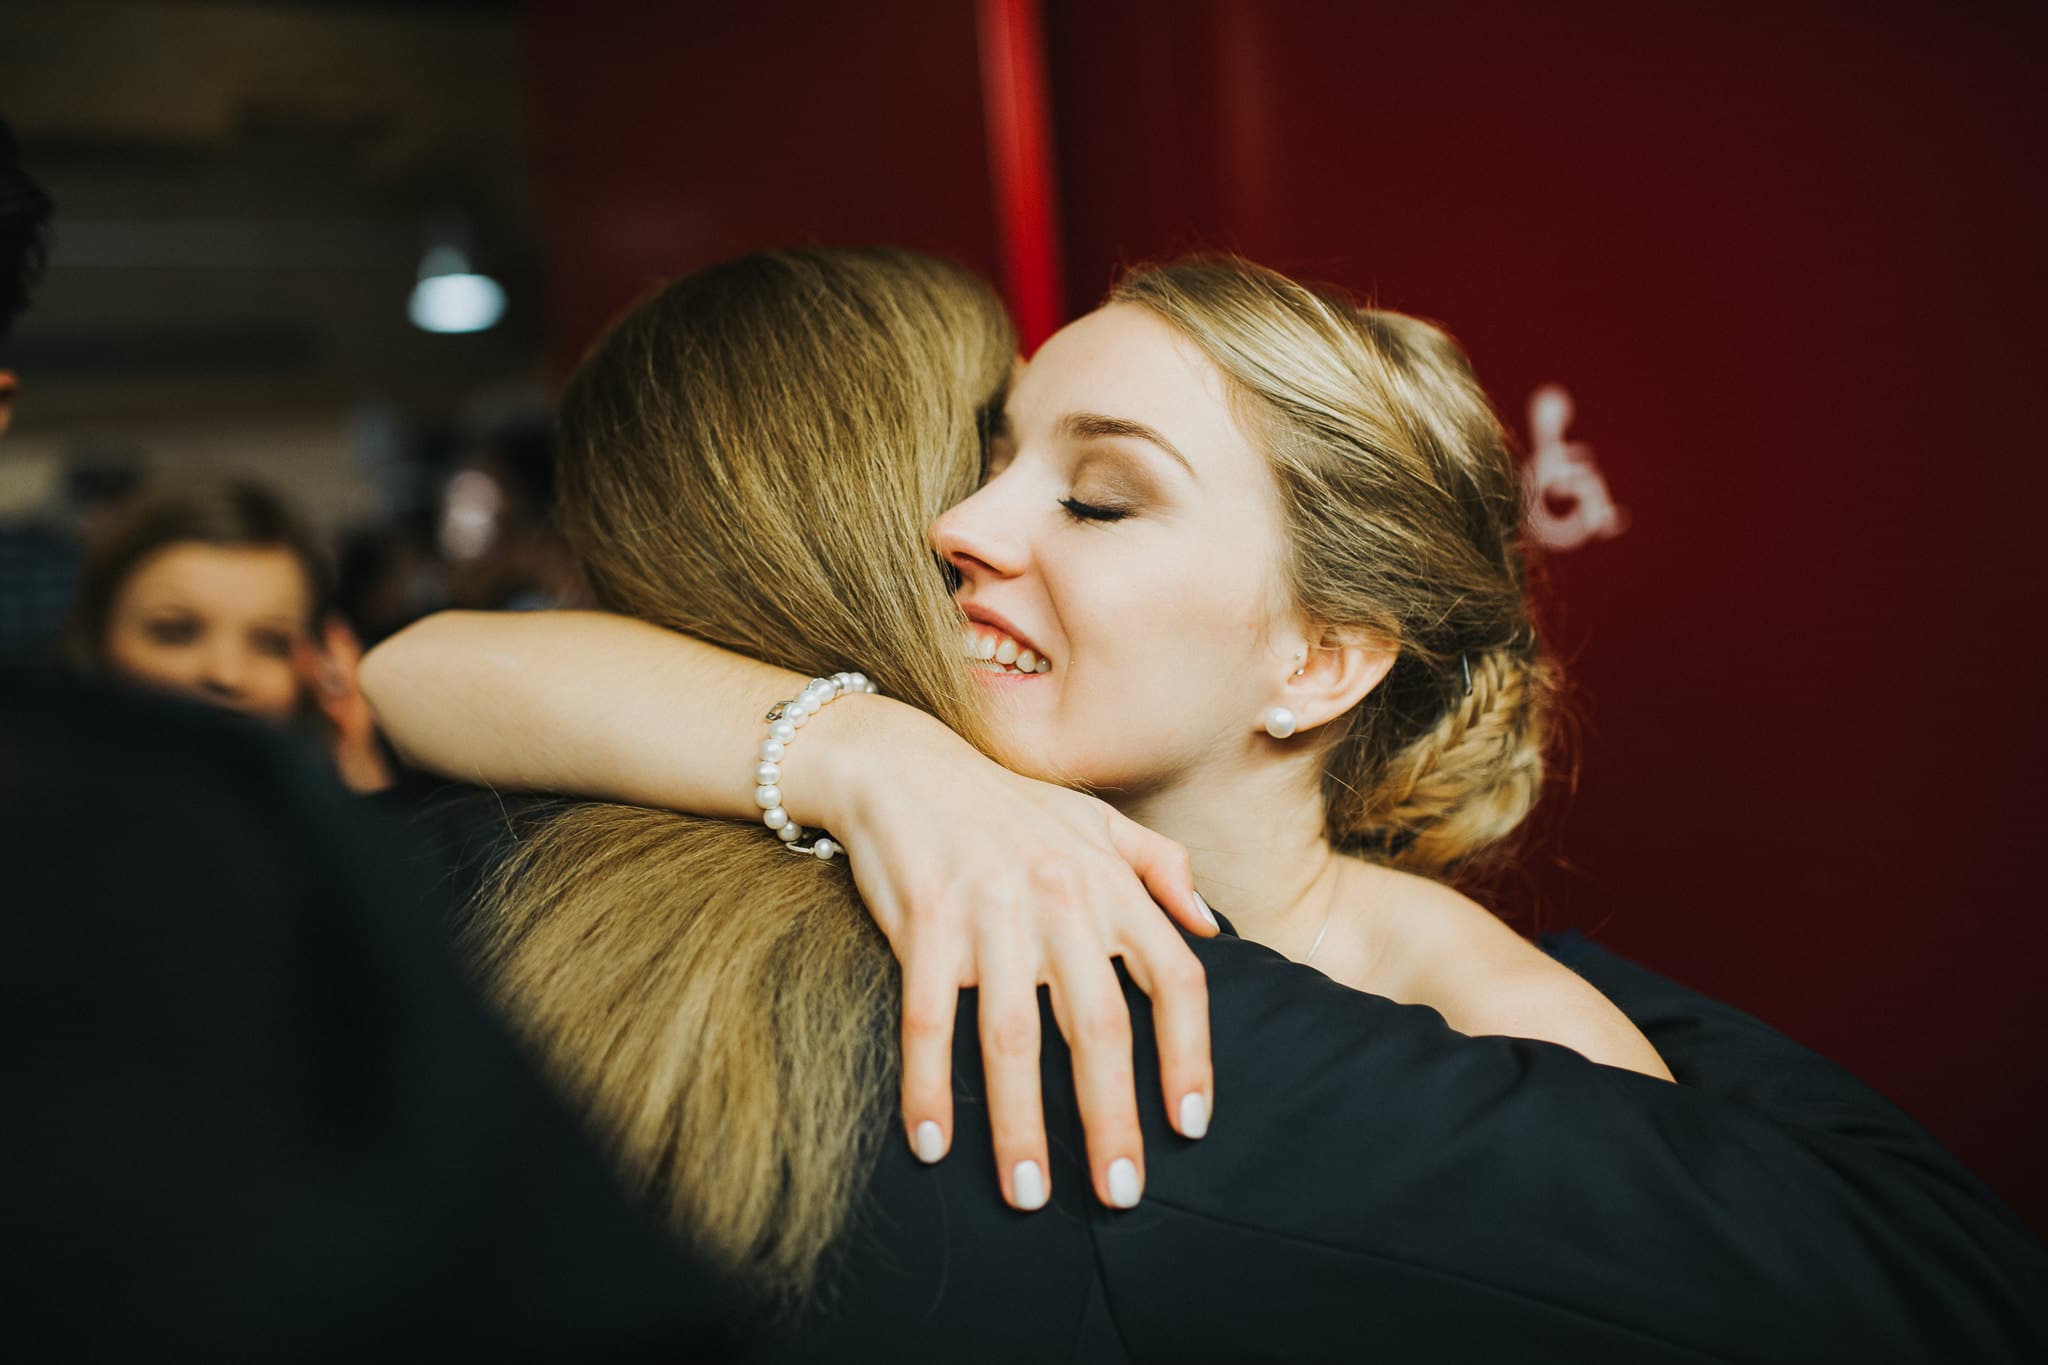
(722, 1009)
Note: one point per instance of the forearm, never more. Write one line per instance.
(602, 706)
(610, 707)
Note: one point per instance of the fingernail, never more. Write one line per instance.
(1123, 1183)
(1194, 1114)
(929, 1142)
(1027, 1184)
(1207, 913)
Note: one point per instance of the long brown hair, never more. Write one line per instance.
(750, 456)
(1403, 507)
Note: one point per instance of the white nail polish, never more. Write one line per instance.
(1207, 913)
(1027, 1183)
(1123, 1183)
(1194, 1114)
(930, 1142)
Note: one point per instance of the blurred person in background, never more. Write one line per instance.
(215, 590)
(480, 538)
(40, 552)
(389, 576)
(37, 564)
(494, 531)
(24, 249)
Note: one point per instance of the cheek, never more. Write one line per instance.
(1163, 644)
(1166, 619)
(273, 688)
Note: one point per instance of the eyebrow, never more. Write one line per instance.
(1084, 426)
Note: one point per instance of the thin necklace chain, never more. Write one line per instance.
(1329, 913)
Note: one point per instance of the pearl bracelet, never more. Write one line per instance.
(784, 719)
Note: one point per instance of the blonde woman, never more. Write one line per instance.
(1244, 563)
(748, 454)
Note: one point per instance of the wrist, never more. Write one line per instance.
(860, 759)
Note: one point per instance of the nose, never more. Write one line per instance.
(976, 539)
(224, 671)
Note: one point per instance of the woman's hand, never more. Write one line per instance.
(328, 670)
(983, 878)
(977, 876)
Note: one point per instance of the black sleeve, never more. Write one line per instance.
(1375, 1183)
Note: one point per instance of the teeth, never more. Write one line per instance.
(998, 653)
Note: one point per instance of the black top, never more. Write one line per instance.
(1376, 1186)
(257, 1114)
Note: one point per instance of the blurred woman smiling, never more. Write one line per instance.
(216, 591)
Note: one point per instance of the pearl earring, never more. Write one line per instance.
(1279, 722)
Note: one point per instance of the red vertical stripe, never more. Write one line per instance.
(1019, 117)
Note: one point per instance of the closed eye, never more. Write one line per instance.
(1088, 511)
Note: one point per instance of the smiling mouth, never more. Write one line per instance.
(995, 651)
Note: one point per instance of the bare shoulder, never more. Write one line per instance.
(1443, 949)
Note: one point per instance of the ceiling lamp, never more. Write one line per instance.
(452, 297)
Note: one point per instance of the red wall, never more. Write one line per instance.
(1788, 260)
(671, 136)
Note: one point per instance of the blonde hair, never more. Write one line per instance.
(1403, 510)
(750, 456)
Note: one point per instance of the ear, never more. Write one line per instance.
(1335, 675)
(9, 386)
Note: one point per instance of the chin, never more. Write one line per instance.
(278, 716)
(1070, 767)
(1026, 752)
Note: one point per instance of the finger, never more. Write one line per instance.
(1095, 1016)
(1165, 869)
(318, 675)
(931, 995)
(342, 646)
(1168, 971)
(1009, 1051)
